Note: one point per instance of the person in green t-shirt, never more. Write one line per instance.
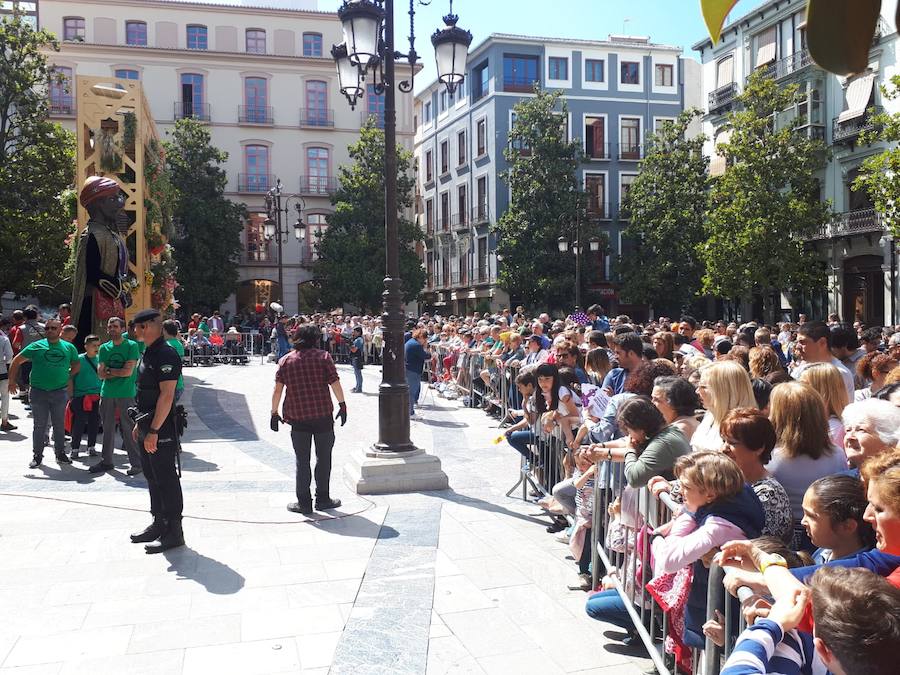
(84, 393)
(170, 332)
(204, 327)
(53, 363)
(118, 359)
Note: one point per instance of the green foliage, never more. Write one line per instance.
(880, 175)
(767, 202)
(209, 243)
(666, 204)
(545, 203)
(350, 269)
(37, 164)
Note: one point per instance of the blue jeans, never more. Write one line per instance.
(48, 406)
(608, 606)
(520, 441)
(357, 371)
(414, 380)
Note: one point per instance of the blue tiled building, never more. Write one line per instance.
(617, 91)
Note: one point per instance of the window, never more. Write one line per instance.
(480, 82)
(481, 136)
(256, 41)
(312, 44)
(136, 33)
(630, 138)
(462, 205)
(594, 70)
(516, 144)
(61, 100)
(626, 179)
(630, 72)
(429, 172)
(429, 215)
(256, 165)
(257, 246)
(766, 47)
(127, 74)
(481, 208)
(445, 211)
(255, 101)
(443, 100)
(375, 105)
(559, 68)
(725, 72)
(519, 73)
(482, 259)
(461, 148)
(660, 122)
(595, 137)
(317, 170)
(427, 112)
(663, 75)
(315, 228)
(196, 37)
(316, 103)
(595, 186)
(192, 96)
(445, 157)
(73, 28)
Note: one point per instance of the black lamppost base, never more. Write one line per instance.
(393, 419)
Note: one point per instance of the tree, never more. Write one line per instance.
(767, 203)
(350, 268)
(545, 203)
(665, 206)
(37, 165)
(209, 244)
(880, 175)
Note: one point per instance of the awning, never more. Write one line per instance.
(725, 72)
(858, 95)
(765, 50)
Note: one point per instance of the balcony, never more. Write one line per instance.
(523, 85)
(721, 99)
(258, 254)
(192, 110)
(255, 182)
(256, 114)
(631, 151)
(863, 221)
(789, 65)
(597, 151)
(598, 210)
(482, 273)
(459, 221)
(480, 214)
(849, 130)
(318, 185)
(63, 106)
(316, 117)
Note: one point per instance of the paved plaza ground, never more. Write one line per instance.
(460, 581)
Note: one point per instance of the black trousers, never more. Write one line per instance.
(82, 418)
(302, 435)
(159, 469)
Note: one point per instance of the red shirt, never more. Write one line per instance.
(306, 374)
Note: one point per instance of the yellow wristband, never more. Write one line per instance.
(771, 559)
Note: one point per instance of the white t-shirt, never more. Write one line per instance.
(707, 436)
(845, 374)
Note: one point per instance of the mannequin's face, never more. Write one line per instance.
(107, 208)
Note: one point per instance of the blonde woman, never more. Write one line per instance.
(827, 381)
(724, 386)
(803, 450)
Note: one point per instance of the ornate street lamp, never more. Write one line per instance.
(369, 46)
(272, 226)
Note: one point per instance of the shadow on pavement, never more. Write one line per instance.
(457, 498)
(442, 423)
(217, 578)
(190, 462)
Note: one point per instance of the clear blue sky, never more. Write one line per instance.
(673, 22)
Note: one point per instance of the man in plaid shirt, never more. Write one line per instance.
(307, 372)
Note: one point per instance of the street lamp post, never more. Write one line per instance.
(273, 229)
(563, 244)
(368, 55)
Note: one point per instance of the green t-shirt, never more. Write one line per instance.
(86, 381)
(116, 356)
(175, 344)
(204, 327)
(50, 363)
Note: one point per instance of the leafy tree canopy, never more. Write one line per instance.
(880, 175)
(351, 265)
(209, 224)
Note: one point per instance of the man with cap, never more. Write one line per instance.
(101, 259)
(157, 435)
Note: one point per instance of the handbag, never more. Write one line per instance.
(106, 307)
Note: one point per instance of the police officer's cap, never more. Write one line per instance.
(146, 315)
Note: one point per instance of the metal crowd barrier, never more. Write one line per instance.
(231, 351)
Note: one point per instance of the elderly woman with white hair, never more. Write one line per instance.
(871, 427)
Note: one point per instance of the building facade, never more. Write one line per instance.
(855, 249)
(264, 81)
(617, 91)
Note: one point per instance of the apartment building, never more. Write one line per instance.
(616, 90)
(264, 81)
(855, 249)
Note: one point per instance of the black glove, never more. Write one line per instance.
(274, 420)
(342, 413)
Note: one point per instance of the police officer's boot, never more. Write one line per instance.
(150, 533)
(173, 537)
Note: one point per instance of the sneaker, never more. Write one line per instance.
(563, 538)
(63, 458)
(35, 462)
(100, 467)
(6, 426)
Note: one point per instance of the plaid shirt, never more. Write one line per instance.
(306, 374)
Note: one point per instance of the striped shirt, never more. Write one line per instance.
(763, 648)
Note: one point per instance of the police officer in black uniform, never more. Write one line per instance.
(157, 435)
